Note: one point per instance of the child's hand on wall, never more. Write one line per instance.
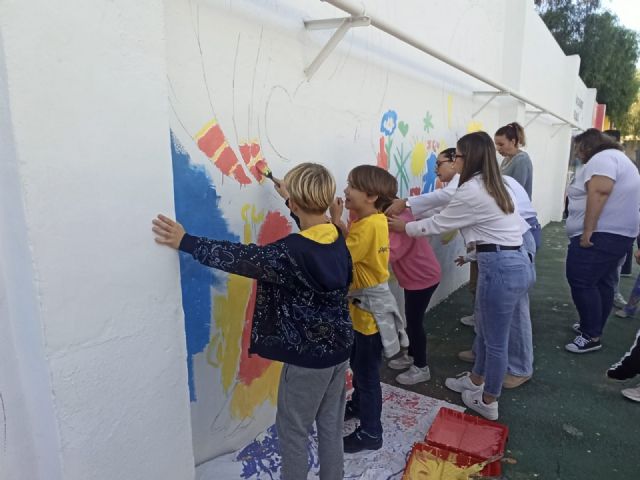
(336, 209)
(460, 261)
(167, 231)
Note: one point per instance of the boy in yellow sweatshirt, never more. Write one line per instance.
(369, 188)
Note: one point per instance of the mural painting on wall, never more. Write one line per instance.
(248, 380)
(411, 159)
(251, 381)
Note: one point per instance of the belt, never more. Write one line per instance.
(492, 247)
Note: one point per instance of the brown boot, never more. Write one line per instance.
(467, 356)
(513, 381)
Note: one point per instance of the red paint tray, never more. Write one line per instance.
(470, 435)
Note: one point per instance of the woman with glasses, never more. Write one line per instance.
(484, 212)
(427, 204)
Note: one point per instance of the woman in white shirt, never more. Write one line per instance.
(604, 202)
(484, 212)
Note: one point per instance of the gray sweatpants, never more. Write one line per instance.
(305, 395)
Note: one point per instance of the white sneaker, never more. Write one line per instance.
(632, 393)
(402, 362)
(621, 313)
(474, 401)
(461, 383)
(414, 375)
(619, 301)
(469, 321)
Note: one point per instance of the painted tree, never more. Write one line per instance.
(608, 51)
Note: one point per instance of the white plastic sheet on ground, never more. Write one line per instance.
(406, 417)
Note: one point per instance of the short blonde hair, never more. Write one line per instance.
(311, 187)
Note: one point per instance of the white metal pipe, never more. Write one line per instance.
(354, 9)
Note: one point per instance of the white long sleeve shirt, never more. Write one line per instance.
(476, 214)
(520, 197)
(429, 204)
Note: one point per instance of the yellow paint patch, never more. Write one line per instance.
(418, 159)
(474, 126)
(223, 350)
(446, 237)
(246, 398)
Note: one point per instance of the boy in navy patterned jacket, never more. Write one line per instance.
(301, 316)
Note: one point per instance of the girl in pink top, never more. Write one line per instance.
(418, 272)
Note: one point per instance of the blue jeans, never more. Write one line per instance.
(366, 358)
(592, 273)
(536, 231)
(504, 278)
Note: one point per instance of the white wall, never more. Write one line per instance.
(94, 377)
(92, 306)
(241, 64)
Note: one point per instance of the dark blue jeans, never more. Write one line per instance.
(366, 357)
(592, 273)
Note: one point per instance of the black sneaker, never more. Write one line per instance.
(583, 344)
(359, 440)
(350, 411)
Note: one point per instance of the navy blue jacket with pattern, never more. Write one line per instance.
(301, 314)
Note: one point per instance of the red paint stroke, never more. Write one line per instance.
(211, 140)
(254, 160)
(349, 379)
(214, 145)
(383, 160)
(414, 191)
(274, 227)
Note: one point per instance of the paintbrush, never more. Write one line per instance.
(266, 171)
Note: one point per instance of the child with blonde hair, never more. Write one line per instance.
(300, 318)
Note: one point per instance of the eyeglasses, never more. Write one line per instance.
(444, 161)
(457, 155)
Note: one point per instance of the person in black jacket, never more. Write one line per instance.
(301, 315)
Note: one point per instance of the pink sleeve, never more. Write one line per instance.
(400, 243)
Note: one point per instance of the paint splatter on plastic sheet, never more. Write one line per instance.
(406, 417)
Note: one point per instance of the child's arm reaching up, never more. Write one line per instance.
(335, 210)
(253, 261)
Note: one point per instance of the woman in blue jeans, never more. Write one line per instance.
(484, 212)
(604, 202)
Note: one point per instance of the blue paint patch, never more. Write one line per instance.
(261, 458)
(429, 178)
(389, 123)
(197, 210)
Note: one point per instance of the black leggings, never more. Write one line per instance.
(415, 306)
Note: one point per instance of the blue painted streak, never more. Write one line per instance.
(197, 210)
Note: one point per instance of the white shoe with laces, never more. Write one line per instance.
(619, 301)
(621, 313)
(468, 321)
(461, 383)
(632, 393)
(402, 362)
(414, 375)
(474, 401)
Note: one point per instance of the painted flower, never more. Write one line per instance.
(389, 123)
